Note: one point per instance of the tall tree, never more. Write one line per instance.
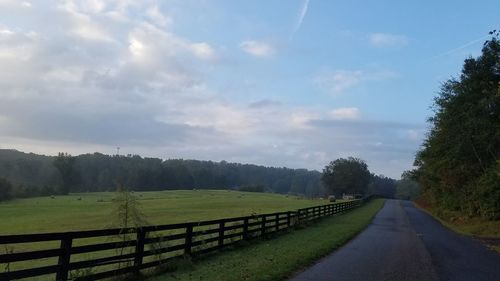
(65, 164)
(407, 188)
(458, 166)
(349, 175)
(382, 186)
(5, 189)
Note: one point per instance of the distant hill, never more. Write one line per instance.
(33, 174)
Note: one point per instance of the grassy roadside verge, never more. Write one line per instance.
(278, 258)
(486, 231)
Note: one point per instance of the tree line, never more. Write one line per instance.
(459, 163)
(352, 176)
(29, 175)
(38, 175)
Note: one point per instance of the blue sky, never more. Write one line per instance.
(292, 83)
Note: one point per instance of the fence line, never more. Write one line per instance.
(146, 247)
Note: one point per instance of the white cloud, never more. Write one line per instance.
(158, 17)
(68, 74)
(346, 113)
(85, 26)
(136, 47)
(203, 50)
(257, 48)
(5, 31)
(93, 6)
(299, 119)
(338, 81)
(17, 45)
(381, 40)
(15, 4)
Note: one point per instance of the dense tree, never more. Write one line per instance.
(407, 188)
(458, 165)
(5, 189)
(65, 164)
(99, 172)
(382, 186)
(349, 175)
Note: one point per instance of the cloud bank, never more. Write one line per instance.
(84, 76)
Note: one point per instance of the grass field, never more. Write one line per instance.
(93, 210)
(278, 258)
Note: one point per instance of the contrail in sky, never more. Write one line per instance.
(459, 48)
(300, 19)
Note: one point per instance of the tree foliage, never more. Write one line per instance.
(126, 210)
(5, 189)
(382, 186)
(407, 188)
(349, 175)
(65, 164)
(37, 175)
(458, 165)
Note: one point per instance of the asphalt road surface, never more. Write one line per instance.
(404, 243)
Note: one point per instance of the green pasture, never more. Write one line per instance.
(86, 211)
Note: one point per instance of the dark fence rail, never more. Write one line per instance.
(148, 246)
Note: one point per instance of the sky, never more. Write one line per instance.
(295, 83)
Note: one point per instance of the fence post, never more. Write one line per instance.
(139, 248)
(288, 219)
(64, 259)
(263, 226)
(189, 240)
(245, 229)
(221, 234)
(277, 222)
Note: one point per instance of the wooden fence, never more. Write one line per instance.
(122, 251)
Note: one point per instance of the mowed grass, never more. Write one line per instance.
(279, 258)
(94, 210)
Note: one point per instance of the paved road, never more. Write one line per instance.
(404, 243)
